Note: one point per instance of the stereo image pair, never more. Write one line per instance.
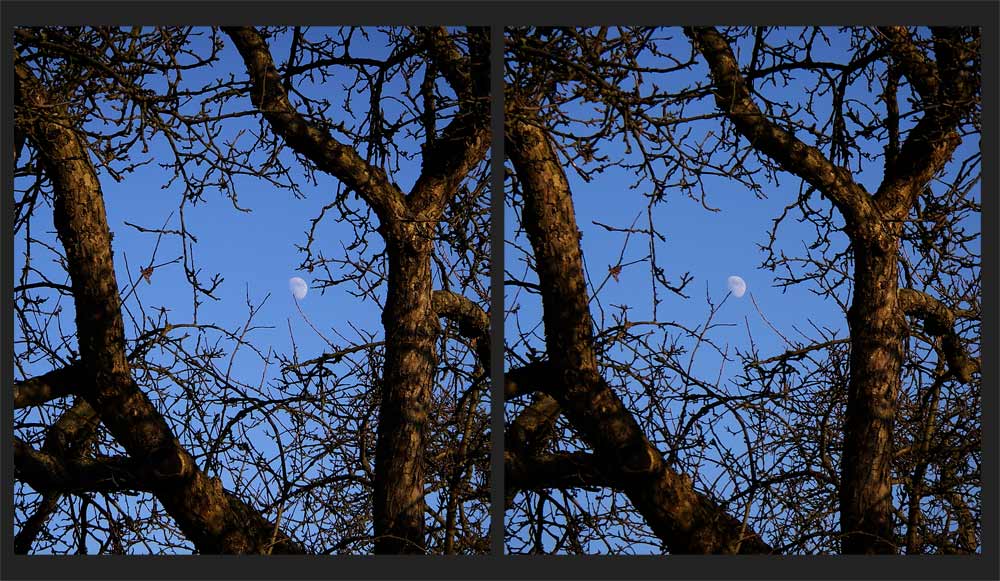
(605, 290)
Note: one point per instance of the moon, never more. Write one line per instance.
(737, 286)
(298, 287)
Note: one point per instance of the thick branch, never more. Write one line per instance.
(939, 321)
(213, 520)
(561, 471)
(33, 525)
(54, 475)
(525, 380)
(473, 322)
(329, 155)
(47, 387)
(931, 143)
(447, 58)
(50, 473)
(531, 429)
(796, 157)
(918, 69)
(525, 439)
(463, 143)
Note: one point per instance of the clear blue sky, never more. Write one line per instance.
(710, 245)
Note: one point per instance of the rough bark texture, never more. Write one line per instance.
(473, 322)
(215, 521)
(939, 321)
(410, 361)
(877, 329)
(687, 521)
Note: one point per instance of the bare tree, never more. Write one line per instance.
(897, 397)
(161, 418)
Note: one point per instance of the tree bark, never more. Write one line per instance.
(46, 387)
(411, 326)
(408, 223)
(875, 320)
(873, 222)
(877, 327)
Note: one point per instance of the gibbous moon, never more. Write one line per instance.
(298, 287)
(737, 286)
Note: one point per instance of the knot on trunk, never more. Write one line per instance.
(639, 459)
(170, 463)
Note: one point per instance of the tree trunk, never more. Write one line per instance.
(411, 327)
(214, 520)
(877, 326)
(688, 522)
(408, 224)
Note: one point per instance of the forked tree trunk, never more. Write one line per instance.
(408, 224)
(876, 319)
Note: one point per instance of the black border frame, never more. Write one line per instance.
(984, 13)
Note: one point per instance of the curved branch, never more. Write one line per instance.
(939, 321)
(463, 143)
(446, 56)
(915, 66)
(473, 322)
(931, 143)
(331, 156)
(807, 162)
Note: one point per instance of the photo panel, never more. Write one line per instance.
(743, 290)
(251, 290)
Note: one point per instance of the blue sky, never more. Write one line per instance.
(711, 245)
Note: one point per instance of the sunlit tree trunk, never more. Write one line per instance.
(685, 520)
(408, 223)
(873, 221)
(877, 331)
(411, 327)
